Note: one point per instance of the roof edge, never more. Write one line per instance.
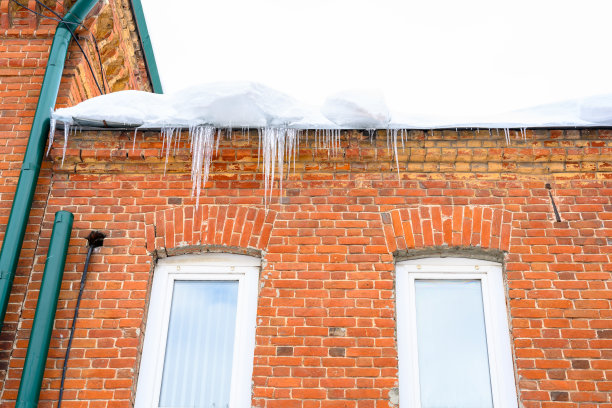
(147, 47)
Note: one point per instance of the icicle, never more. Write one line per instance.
(373, 142)
(258, 146)
(288, 151)
(194, 147)
(277, 145)
(177, 140)
(163, 138)
(269, 158)
(66, 133)
(336, 142)
(170, 140)
(296, 146)
(335, 139)
(271, 147)
(265, 159)
(326, 141)
(218, 140)
(388, 150)
(395, 131)
(190, 133)
(52, 123)
(322, 139)
(280, 140)
(298, 140)
(291, 143)
(134, 142)
(207, 142)
(202, 147)
(174, 143)
(338, 133)
(507, 135)
(167, 134)
(196, 162)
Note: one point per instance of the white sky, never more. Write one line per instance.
(449, 57)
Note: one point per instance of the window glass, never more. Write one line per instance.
(452, 344)
(199, 350)
(200, 333)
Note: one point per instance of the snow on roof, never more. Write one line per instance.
(227, 105)
(252, 105)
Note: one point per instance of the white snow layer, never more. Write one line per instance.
(245, 104)
(357, 110)
(227, 105)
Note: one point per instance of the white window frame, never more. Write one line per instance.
(503, 385)
(211, 266)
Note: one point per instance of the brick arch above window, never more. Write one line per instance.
(453, 226)
(227, 226)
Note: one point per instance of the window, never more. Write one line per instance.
(453, 335)
(198, 348)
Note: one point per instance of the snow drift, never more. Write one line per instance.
(252, 105)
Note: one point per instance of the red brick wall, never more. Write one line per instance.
(25, 40)
(326, 309)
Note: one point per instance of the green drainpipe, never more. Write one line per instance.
(147, 47)
(38, 347)
(22, 203)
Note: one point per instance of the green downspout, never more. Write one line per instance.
(38, 347)
(22, 203)
(147, 47)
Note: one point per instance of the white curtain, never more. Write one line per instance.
(452, 344)
(199, 350)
